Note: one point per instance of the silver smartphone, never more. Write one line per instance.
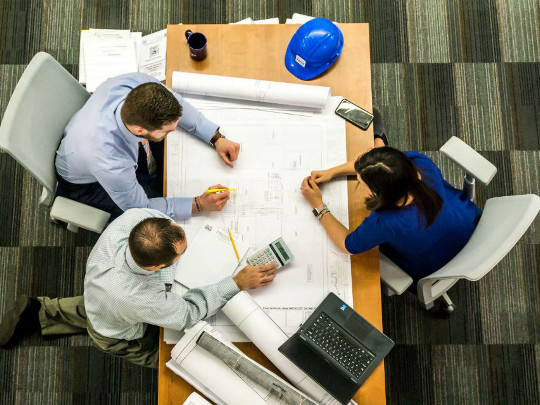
(354, 114)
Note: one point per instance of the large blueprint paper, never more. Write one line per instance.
(215, 366)
(237, 88)
(277, 151)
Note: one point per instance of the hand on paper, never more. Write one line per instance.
(227, 150)
(311, 192)
(322, 176)
(214, 201)
(255, 276)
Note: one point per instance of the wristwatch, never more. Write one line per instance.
(217, 135)
(320, 211)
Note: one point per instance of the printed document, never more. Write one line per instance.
(278, 150)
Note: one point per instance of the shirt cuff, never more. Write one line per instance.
(206, 130)
(348, 244)
(227, 288)
(183, 207)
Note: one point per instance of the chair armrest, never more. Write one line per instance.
(392, 276)
(78, 214)
(469, 160)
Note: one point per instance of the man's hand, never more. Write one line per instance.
(214, 201)
(322, 176)
(311, 192)
(255, 276)
(227, 150)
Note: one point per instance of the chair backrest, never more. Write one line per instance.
(502, 224)
(45, 99)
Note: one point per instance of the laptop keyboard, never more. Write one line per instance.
(331, 339)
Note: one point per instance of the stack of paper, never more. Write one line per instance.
(300, 19)
(108, 53)
(250, 21)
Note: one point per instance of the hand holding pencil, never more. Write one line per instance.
(212, 201)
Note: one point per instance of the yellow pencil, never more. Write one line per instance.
(233, 245)
(217, 190)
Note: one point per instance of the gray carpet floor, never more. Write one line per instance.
(469, 68)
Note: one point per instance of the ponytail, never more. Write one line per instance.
(392, 176)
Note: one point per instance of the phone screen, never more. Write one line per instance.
(354, 114)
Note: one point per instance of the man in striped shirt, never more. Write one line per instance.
(125, 298)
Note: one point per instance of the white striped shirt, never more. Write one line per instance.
(121, 298)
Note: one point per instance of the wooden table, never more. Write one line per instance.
(257, 52)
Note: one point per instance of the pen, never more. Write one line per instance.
(233, 245)
(217, 190)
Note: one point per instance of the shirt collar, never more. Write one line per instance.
(134, 267)
(128, 136)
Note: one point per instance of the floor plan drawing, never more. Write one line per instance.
(278, 150)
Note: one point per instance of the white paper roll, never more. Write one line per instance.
(301, 95)
(251, 319)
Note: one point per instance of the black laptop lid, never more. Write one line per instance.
(319, 368)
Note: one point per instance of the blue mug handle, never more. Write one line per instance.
(188, 33)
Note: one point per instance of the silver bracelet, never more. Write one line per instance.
(325, 210)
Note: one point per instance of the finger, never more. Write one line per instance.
(225, 158)
(234, 152)
(305, 183)
(313, 184)
(267, 267)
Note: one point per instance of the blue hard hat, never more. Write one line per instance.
(314, 47)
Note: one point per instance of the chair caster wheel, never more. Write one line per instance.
(449, 309)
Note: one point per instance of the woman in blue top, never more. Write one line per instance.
(417, 218)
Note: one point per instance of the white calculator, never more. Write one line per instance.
(276, 252)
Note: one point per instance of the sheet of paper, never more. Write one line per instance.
(264, 91)
(277, 152)
(244, 21)
(97, 34)
(267, 21)
(196, 399)
(209, 258)
(109, 58)
(153, 54)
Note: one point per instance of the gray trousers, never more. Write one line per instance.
(66, 316)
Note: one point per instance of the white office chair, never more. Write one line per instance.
(503, 222)
(45, 99)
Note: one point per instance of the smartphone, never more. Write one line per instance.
(354, 114)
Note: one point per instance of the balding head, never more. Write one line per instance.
(156, 242)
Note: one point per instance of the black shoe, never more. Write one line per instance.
(22, 320)
(378, 126)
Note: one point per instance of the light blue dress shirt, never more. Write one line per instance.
(121, 298)
(97, 146)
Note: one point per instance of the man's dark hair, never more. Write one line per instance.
(150, 105)
(154, 241)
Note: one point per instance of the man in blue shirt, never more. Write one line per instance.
(105, 160)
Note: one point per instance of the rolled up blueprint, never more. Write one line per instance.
(251, 319)
(301, 95)
(216, 366)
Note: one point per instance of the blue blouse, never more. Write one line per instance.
(419, 251)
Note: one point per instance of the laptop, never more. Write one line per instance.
(337, 348)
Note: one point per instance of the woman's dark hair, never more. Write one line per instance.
(150, 105)
(392, 176)
(154, 241)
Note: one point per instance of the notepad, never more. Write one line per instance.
(209, 258)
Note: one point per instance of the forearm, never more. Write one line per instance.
(336, 231)
(346, 169)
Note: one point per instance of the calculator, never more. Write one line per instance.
(276, 252)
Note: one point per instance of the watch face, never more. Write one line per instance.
(315, 212)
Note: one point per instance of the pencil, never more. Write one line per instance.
(217, 190)
(233, 245)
